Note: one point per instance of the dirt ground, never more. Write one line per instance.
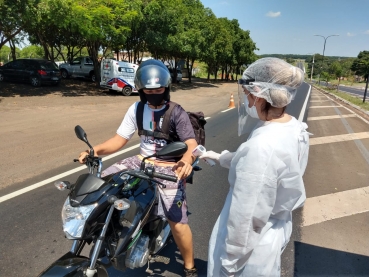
(37, 124)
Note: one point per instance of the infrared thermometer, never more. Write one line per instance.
(200, 150)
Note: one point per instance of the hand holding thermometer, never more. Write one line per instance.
(201, 150)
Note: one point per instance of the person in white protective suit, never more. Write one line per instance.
(265, 175)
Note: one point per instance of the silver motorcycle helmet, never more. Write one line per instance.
(152, 74)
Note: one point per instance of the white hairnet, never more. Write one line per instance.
(272, 79)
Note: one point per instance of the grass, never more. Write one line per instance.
(203, 73)
(358, 101)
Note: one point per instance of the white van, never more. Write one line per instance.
(118, 76)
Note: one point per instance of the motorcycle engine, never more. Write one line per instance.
(139, 254)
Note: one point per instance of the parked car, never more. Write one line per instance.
(79, 67)
(35, 71)
(179, 74)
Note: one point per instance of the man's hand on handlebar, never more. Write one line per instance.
(82, 156)
(182, 169)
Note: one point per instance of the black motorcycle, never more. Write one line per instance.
(116, 215)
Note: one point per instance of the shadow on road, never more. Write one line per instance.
(173, 269)
(312, 260)
(68, 87)
(84, 87)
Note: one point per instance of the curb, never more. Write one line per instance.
(343, 100)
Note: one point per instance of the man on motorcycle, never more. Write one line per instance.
(153, 82)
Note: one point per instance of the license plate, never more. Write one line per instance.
(55, 78)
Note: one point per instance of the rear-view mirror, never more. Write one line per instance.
(80, 133)
(175, 149)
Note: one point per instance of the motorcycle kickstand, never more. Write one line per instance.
(148, 270)
(156, 258)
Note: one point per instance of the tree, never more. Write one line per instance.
(32, 51)
(135, 44)
(165, 30)
(346, 64)
(14, 16)
(336, 71)
(361, 67)
(290, 60)
(361, 64)
(100, 22)
(218, 41)
(4, 54)
(325, 76)
(243, 49)
(194, 22)
(170, 30)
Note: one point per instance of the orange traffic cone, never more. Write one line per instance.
(231, 102)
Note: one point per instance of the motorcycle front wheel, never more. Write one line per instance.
(70, 265)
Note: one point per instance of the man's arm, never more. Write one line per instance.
(183, 168)
(110, 146)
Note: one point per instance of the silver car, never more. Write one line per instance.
(179, 75)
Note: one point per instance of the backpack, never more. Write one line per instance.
(197, 120)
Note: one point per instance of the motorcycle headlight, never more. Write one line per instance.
(74, 219)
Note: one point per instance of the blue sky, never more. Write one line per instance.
(289, 26)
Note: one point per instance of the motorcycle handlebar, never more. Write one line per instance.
(149, 176)
(88, 159)
(165, 177)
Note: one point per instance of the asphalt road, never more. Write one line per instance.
(31, 234)
(352, 90)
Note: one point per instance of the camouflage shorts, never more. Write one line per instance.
(172, 199)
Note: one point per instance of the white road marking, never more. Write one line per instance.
(330, 117)
(320, 107)
(341, 204)
(227, 110)
(336, 205)
(338, 138)
(319, 101)
(60, 176)
(303, 109)
(366, 121)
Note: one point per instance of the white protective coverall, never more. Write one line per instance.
(255, 224)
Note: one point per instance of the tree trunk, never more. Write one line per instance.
(117, 53)
(339, 79)
(93, 50)
(12, 49)
(175, 70)
(188, 69)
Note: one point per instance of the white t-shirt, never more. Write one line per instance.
(152, 120)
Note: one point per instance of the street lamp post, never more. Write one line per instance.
(366, 87)
(312, 69)
(325, 40)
